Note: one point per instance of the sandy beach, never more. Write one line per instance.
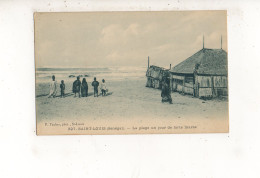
(129, 103)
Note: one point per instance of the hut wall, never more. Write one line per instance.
(156, 83)
(205, 92)
(154, 76)
(204, 81)
(177, 82)
(178, 77)
(152, 83)
(188, 90)
(220, 81)
(221, 91)
(212, 86)
(155, 73)
(182, 84)
(174, 86)
(149, 82)
(179, 87)
(205, 86)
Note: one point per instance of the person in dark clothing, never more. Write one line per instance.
(95, 84)
(84, 88)
(76, 86)
(166, 92)
(62, 89)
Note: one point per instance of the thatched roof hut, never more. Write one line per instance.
(204, 74)
(208, 61)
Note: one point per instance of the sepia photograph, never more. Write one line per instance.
(129, 89)
(158, 72)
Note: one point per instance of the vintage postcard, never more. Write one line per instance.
(131, 72)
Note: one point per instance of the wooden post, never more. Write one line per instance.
(198, 95)
(183, 85)
(212, 87)
(170, 82)
(196, 86)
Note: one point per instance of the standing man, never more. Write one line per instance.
(53, 88)
(62, 89)
(95, 84)
(76, 86)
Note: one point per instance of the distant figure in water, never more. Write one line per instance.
(84, 88)
(166, 92)
(76, 86)
(95, 84)
(53, 88)
(62, 89)
(103, 88)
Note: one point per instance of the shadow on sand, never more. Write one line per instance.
(110, 93)
(72, 94)
(100, 94)
(66, 95)
(37, 96)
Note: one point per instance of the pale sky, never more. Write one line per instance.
(100, 39)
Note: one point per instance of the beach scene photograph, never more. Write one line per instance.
(131, 72)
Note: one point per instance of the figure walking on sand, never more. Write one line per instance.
(95, 84)
(84, 88)
(166, 92)
(53, 88)
(76, 86)
(103, 88)
(62, 89)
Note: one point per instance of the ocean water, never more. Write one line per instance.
(107, 73)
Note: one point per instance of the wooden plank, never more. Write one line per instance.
(212, 86)
(178, 77)
(220, 81)
(188, 90)
(183, 85)
(189, 85)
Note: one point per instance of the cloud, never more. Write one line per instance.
(113, 56)
(127, 38)
(117, 34)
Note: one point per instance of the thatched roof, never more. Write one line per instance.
(209, 61)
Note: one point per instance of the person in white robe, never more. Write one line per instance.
(53, 88)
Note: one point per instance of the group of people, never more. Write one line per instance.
(81, 88)
(78, 87)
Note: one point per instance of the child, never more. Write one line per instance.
(62, 89)
(103, 88)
